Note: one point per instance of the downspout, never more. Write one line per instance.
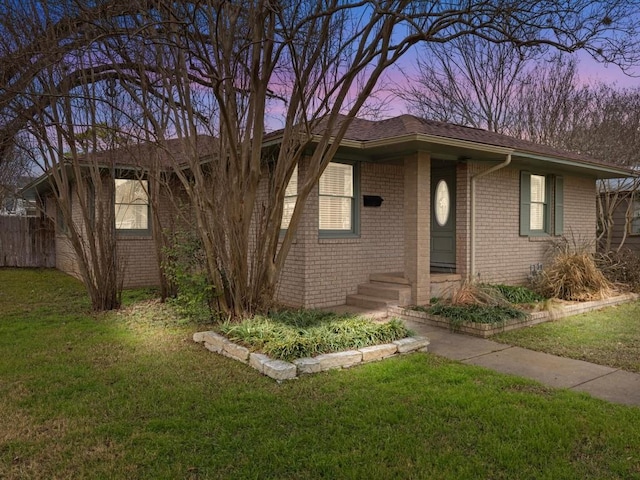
(472, 260)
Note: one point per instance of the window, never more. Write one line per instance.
(634, 225)
(290, 196)
(132, 206)
(61, 221)
(337, 201)
(538, 217)
(541, 204)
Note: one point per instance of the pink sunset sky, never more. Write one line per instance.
(591, 72)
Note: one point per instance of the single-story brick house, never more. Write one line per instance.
(410, 206)
(456, 203)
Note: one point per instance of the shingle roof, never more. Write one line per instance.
(142, 154)
(368, 130)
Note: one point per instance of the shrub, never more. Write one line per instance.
(479, 303)
(621, 268)
(185, 268)
(572, 274)
(476, 294)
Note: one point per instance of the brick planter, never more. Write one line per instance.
(281, 370)
(485, 330)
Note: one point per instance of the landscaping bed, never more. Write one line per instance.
(558, 309)
(288, 343)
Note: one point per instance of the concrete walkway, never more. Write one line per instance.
(611, 384)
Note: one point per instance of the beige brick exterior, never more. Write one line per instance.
(137, 254)
(394, 237)
(417, 225)
(502, 255)
(326, 270)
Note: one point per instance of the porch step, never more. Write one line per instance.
(395, 278)
(367, 301)
(443, 285)
(399, 294)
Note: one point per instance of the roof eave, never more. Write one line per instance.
(421, 137)
(600, 170)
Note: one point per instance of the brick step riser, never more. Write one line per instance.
(360, 301)
(397, 295)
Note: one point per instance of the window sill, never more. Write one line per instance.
(339, 239)
(133, 235)
(542, 237)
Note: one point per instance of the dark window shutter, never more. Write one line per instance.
(525, 203)
(559, 207)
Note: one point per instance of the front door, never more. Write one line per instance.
(443, 217)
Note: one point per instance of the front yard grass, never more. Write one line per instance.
(129, 395)
(608, 337)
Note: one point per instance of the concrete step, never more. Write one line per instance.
(444, 285)
(398, 293)
(395, 278)
(367, 301)
(372, 313)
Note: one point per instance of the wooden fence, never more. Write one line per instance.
(27, 242)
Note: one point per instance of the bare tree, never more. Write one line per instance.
(69, 142)
(311, 55)
(217, 67)
(13, 170)
(469, 81)
(549, 102)
(609, 129)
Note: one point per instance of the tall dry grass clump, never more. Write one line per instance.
(572, 274)
(471, 293)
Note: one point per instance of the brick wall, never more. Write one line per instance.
(502, 255)
(66, 259)
(137, 254)
(333, 268)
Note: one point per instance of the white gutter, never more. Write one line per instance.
(472, 260)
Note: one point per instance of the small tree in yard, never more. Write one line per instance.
(80, 161)
(222, 68)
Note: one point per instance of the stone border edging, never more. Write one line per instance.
(485, 330)
(282, 370)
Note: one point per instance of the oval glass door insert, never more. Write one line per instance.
(443, 203)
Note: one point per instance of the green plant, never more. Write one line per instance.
(489, 314)
(184, 266)
(517, 294)
(292, 334)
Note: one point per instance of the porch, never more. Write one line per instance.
(386, 289)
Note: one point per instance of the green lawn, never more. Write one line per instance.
(607, 337)
(129, 396)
